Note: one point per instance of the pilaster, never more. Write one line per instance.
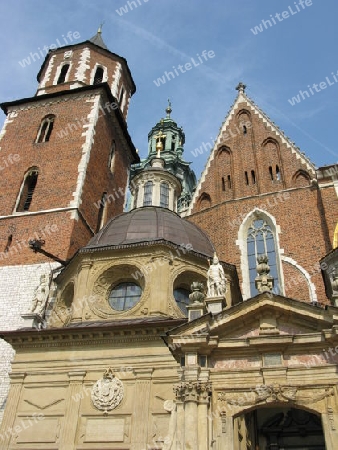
(139, 436)
(12, 403)
(67, 439)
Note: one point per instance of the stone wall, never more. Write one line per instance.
(17, 287)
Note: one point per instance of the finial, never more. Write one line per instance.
(159, 143)
(241, 88)
(100, 27)
(168, 110)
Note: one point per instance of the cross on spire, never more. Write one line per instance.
(241, 88)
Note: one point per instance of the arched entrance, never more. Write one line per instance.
(279, 428)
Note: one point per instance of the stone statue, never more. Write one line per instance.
(40, 295)
(216, 279)
(170, 406)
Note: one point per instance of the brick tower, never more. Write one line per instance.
(260, 195)
(62, 152)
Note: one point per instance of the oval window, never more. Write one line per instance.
(124, 296)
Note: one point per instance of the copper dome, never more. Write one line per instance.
(149, 224)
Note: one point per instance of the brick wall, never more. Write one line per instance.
(269, 174)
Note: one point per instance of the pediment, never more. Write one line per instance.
(264, 315)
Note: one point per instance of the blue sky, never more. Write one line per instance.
(291, 55)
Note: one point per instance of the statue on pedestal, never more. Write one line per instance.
(216, 279)
(40, 295)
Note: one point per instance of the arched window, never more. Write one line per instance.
(98, 77)
(45, 130)
(121, 96)
(246, 178)
(278, 176)
(223, 184)
(111, 161)
(261, 241)
(164, 195)
(253, 177)
(102, 215)
(27, 190)
(148, 194)
(271, 173)
(181, 296)
(335, 237)
(63, 73)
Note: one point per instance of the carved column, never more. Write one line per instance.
(11, 408)
(204, 390)
(139, 436)
(180, 425)
(68, 434)
(191, 415)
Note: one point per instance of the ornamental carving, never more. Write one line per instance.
(274, 393)
(107, 393)
(193, 391)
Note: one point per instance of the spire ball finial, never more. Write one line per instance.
(168, 109)
(241, 88)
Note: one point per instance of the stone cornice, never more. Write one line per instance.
(91, 334)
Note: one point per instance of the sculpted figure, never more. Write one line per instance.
(169, 440)
(216, 279)
(40, 295)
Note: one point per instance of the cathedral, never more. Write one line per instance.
(202, 316)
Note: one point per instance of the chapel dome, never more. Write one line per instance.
(149, 224)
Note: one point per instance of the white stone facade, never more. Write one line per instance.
(17, 286)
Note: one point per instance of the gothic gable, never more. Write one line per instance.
(251, 155)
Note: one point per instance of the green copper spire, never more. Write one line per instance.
(166, 142)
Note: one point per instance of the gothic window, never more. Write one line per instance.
(229, 182)
(204, 201)
(261, 241)
(164, 195)
(271, 173)
(45, 129)
(223, 184)
(125, 296)
(253, 177)
(27, 190)
(246, 178)
(63, 73)
(98, 77)
(148, 194)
